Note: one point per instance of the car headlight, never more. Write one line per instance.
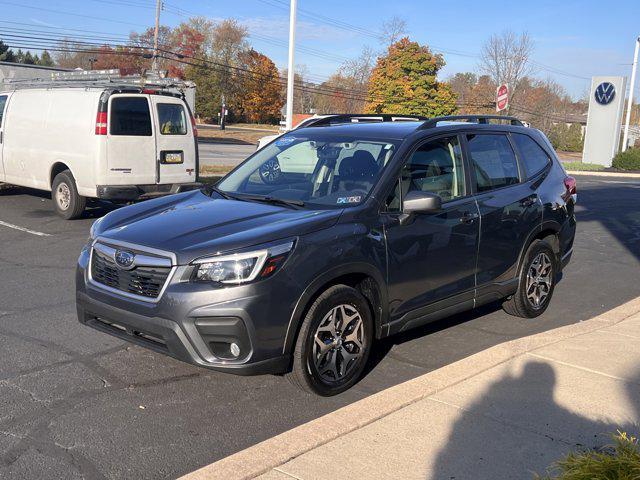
(241, 267)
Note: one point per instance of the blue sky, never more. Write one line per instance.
(577, 38)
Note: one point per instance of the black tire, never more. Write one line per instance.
(66, 200)
(521, 304)
(305, 373)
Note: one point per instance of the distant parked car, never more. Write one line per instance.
(299, 272)
(117, 142)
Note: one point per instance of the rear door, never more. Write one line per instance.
(509, 207)
(175, 145)
(131, 144)
(3, 107)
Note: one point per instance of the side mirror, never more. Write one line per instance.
(421, 202)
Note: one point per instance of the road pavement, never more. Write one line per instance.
(77, 403)
(223, 153)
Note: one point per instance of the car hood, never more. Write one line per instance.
(193, 225)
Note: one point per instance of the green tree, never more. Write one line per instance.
(208, 94)
(46, 60)
(29, 58)
(404, 81)
(6, 54)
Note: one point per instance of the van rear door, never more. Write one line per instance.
(175, 140)
(131, 144)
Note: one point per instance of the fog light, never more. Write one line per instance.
(235, 349)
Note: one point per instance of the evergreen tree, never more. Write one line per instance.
(6, 54)
(46, 60)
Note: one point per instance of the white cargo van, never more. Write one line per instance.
(120, 143)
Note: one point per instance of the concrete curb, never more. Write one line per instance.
(604, 174)
(278, 450)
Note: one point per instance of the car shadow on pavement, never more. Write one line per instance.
(516, 428)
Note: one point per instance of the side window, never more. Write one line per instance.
(130, 116)
(493, 161)
(435, 167)
(3, 101)
(172, 119)
(532, 155)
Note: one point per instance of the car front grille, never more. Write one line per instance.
(143, 281)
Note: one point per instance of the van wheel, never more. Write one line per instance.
(536, 282)
(67, 202)
(334, 343)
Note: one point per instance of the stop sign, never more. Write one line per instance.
(502, 97)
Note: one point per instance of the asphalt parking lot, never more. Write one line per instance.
(80, 404)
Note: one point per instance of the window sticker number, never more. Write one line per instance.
(355, 199)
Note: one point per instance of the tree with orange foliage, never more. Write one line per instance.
(404, 81)
(259, 99)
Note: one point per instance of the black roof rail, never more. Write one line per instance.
(334, 119)
(480, 118)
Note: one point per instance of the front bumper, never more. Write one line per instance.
(195, 323)
(141, 192)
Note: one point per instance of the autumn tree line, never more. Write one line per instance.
(397, 76)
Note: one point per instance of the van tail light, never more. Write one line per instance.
(193, 126)
(571, 185)
(101, 123)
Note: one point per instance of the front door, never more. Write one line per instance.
(131, 144)
(509, 207)
(3, 107)
(431, 257)
(174, 140)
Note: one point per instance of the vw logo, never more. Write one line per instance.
(605, 93)
(124, 259)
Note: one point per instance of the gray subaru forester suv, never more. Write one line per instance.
(331, 237)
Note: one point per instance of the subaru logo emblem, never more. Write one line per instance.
(605, 93)
(124, 259)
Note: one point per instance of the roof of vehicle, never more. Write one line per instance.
(390, 130)
(399, 130)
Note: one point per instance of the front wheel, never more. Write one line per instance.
(536, 282)
(334, 342)
(66, 200)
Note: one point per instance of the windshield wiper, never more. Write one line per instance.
(223, 194)
(273, 200)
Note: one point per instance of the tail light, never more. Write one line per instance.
(101, 123)
(571, 185)
(193, 126)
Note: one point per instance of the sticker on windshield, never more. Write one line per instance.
(355, 199)
(285, 141)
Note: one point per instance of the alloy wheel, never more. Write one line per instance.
(539, 280)
(338, 343)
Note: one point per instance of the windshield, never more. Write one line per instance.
(319, 170)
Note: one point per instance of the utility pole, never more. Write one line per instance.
(625, 138)
(291, 68)
(154, 65)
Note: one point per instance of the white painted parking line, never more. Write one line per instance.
(22, 229)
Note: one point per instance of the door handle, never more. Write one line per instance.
(468, 217)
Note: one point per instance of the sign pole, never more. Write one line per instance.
(625, 138)
(291, 68)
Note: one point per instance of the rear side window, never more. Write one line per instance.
(532, 155)
(3, 101)
(493, 161)
(130, 116)
(173, 120)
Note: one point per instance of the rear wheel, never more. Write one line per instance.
(334, 342)
(66, 200)
(536, 282)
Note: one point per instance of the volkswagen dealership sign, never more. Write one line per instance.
(606, 104)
